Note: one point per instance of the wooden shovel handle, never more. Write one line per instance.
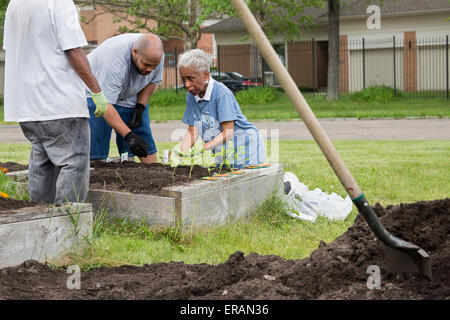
(297, 99)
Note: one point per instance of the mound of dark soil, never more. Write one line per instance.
(337, 270)
(143, 178)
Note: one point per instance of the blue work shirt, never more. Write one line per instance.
(219, 105)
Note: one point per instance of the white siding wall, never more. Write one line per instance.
(431, 62)
(379, 68)
(425, 25)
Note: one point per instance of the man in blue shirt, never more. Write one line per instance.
(213, 113)
(128, 67)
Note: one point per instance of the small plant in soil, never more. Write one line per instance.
(121, 179)
(192, 164)
(173, 175)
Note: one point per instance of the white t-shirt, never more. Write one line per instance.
(40, 84)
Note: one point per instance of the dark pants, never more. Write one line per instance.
(101, 132)
(59, 159)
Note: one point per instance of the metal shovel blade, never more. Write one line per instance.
(401, 256)
(408, 260)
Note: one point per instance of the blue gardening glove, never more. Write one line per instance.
(100, 103)
(136, 118)
(136, 144)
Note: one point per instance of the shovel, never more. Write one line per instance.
(401, 256)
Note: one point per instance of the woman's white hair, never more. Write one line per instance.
(195, 58)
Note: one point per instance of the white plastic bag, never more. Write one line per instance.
(316, 202)
(293, 209)
(331, 206)
(297, 188)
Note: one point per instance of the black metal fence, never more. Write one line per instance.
(413, 67)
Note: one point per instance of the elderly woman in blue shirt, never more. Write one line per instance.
(213, 113)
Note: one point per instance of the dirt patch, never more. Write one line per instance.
(333, 271)
(13, 166)
(143, 178)
(13, 204)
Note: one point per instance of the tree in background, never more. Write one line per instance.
(333, 50)
(176, 19)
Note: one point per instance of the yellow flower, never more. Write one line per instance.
(4, 195)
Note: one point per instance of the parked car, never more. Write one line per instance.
(235, 81)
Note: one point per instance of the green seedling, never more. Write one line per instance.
(192, 163)
(123, 182)
(235, 156)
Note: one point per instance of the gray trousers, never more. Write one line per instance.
(59, 159)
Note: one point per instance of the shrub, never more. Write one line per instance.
(257, 95)
(168, 97)
(379, 94)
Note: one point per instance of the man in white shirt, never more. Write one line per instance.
(45, 68)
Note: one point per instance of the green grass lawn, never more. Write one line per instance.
(166, 106)
(388, 172)
(282, 109)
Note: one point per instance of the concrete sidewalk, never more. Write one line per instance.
(336, 129)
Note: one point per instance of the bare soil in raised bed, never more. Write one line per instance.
(144, 178)
(13, 166)
(337, 270)
(136, 177)
(8, 204)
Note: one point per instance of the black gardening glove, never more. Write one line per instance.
(136, 118)
(136, 144)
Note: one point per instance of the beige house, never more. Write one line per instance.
(368, 55)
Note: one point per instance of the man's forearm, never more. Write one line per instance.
(145, 94)
(79, 62)
(189, 139)
(220, 139)
(226, 134)
(115, 121)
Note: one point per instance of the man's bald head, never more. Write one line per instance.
(149, 42)
(147, 53)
